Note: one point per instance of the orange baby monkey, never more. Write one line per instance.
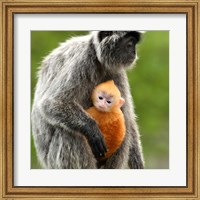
(106, 112)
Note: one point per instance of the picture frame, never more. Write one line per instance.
(9, 8)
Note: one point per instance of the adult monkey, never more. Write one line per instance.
(65, 135)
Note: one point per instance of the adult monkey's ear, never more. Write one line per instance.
(104, 34)
(134, 34)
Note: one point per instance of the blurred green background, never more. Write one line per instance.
(149, 82)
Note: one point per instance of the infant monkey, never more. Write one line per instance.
(106, 111)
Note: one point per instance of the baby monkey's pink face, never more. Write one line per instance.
(104, 101)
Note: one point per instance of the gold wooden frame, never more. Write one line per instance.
(11, 7)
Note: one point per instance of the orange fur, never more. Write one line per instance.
(111, 124)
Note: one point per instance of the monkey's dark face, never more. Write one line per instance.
(117, 48)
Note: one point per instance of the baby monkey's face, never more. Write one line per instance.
(103, 101)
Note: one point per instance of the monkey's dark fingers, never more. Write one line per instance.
(102, 149)
(103, 145)
(95, 138)
(97, 147)
(96, 151)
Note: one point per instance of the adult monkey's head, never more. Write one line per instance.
(116, 49)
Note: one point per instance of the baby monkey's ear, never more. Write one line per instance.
(121, 102)
(103, 34)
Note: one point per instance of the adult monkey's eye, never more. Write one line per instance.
(131, 43)
(101, 98)
(108, 102)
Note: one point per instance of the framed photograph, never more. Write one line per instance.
(164, 85)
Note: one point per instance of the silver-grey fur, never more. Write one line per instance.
(65, 135)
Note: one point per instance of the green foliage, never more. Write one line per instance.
(149, 82)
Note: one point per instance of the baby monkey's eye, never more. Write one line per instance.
(108, 102)
(100, 97)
